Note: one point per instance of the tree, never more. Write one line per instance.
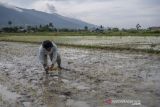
(115, 29)
(40, 26)
(9, 23)
(109, 29)
(138, 26)
(51, 24)
(86, 28)
(101, 29)
(124, 30)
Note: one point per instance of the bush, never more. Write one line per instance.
(155, 31)
(10, 29)
(132, 31)
(115, 29)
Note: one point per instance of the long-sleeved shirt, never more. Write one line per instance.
(43, 53)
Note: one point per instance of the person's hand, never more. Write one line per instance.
(46, 68)
(59, 67)
(52, 66)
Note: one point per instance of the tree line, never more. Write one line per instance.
(51, 28)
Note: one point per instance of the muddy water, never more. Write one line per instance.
(88, 79)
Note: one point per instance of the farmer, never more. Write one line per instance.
(49, 48)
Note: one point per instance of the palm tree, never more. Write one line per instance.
(138, 26)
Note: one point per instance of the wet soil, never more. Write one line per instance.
(88, 78)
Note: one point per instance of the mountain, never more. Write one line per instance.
(23, 17)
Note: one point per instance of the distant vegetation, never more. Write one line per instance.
(86, 31)
(137, 39)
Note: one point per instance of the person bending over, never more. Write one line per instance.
(49, 48)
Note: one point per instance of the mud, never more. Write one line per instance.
(88, 79)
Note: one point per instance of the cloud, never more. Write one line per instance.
(11, 6)
(51, 8)
(44, 6)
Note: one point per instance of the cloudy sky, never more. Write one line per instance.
(109, 13)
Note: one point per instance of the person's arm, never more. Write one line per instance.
(54, 53)
(43, 58)
(46, 68)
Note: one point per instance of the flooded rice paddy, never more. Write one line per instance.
(88, 78)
